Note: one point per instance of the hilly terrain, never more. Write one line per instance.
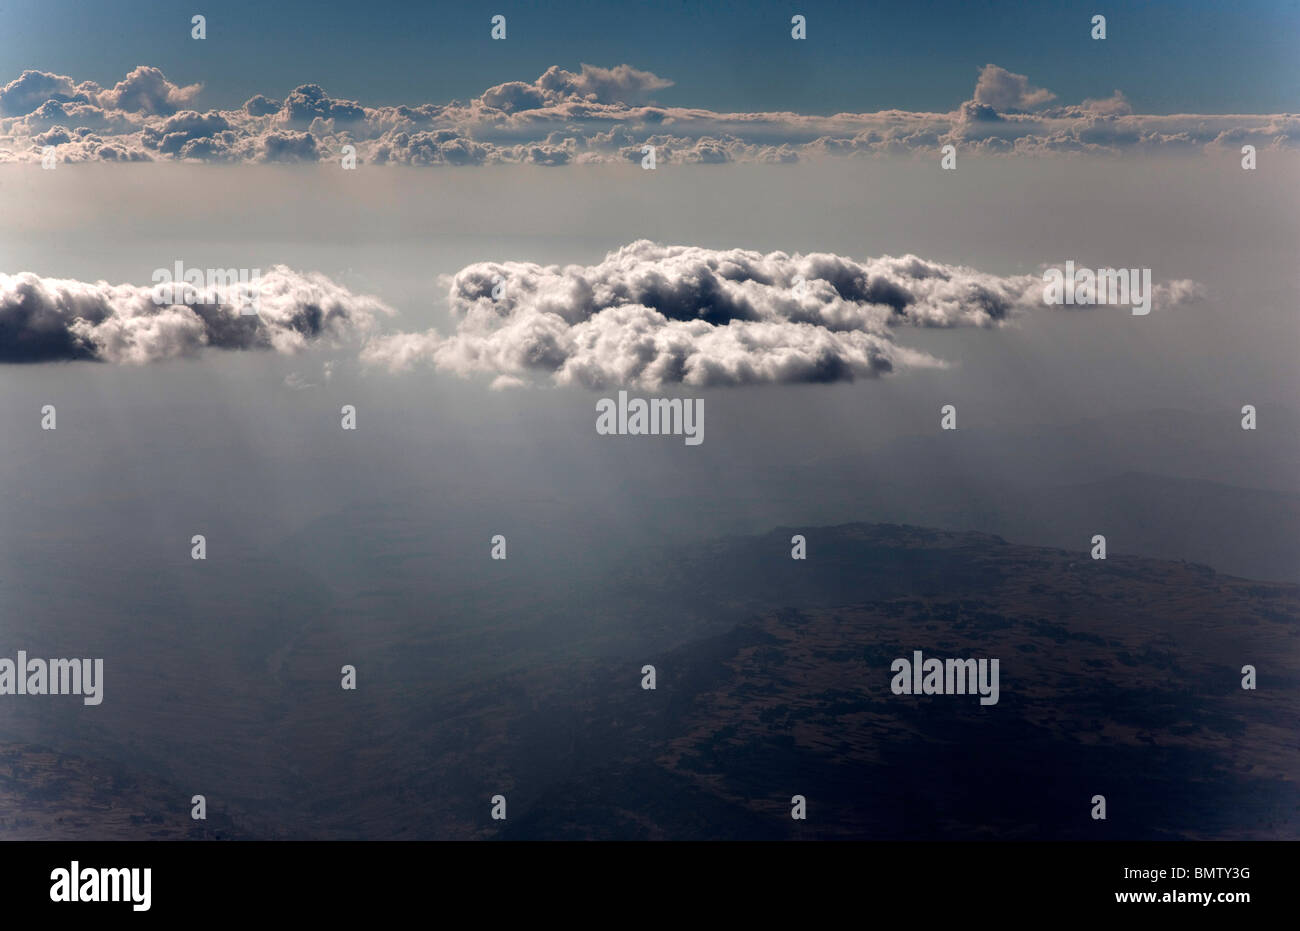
(1120, 677)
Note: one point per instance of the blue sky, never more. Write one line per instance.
(1167, 57)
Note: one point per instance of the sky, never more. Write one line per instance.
(1168, 57)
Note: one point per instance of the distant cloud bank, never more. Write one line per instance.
(564, 117)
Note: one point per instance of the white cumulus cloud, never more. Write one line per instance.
(55, 319)
(649, 315)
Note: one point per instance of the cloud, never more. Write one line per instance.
(309, 102)
(82, 145)
(593, 115)
(650, 315)
(147, 90)
(514, 96)
(288, 146)
(52, 319)
(647, 315)
(261, 105)
(1114, 105)
(1178, 291)
(1001, 90)
(622, 84)
(81, 115)
(443, 147)
(188, 126)
(33, 88)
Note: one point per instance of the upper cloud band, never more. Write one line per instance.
(563, 117)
